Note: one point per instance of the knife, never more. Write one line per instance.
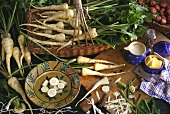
(104, 96)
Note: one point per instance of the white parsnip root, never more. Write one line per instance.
(57, 25)
(100, 66)
(27, 56)
(63, 6)
(17, 54)
(14, 83)
(58, 37)
(68, 32)
(87, 72)
(103, 81)
(60, 15)
(21, 41)
(82, 59)
(8, 44)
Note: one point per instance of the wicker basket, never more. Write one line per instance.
(155, 25)
(68, 51)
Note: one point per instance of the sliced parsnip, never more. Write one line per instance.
(103, 81)
(51, 92)
(105, 88)
(54, 81)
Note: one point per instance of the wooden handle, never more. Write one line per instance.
(85, 106)
(103, 100)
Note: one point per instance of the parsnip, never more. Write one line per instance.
(49, 42)
(17, 54)
(63, 6)
(100, 66)
(86, 72)
(72, 22)
(8, 44)
(58, 37)
(27, 55)
(14, 83)
(2, 50)
(103, 81)
(57, 25)
(82, 59)
(69, 32)
(48, 13)
(21, 41)
(60, 15)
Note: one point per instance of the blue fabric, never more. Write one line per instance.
(158, 86)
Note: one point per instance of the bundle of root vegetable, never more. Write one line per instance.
(54, 27)
(161, 9)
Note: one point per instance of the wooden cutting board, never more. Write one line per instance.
(116, 56)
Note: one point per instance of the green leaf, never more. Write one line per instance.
(45, 66)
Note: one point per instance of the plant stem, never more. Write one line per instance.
(29, 38)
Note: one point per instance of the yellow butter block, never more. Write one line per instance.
(148, 60)
(155, 63)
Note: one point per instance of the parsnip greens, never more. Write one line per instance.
(118, 21)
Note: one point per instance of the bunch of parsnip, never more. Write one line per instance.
(57, 24)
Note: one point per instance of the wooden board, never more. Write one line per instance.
(114, 55)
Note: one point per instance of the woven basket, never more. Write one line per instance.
(68, 51)
(153, 24)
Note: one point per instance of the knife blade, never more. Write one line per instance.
(105, 95)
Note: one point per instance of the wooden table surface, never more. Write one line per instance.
(114, 55)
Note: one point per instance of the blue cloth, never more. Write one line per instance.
(158, 86)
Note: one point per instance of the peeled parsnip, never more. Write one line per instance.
(8, 44)
(63, 6)
(14, 83)
(17, 54)
(21, 41)
(100, 66)
(82, 59)
(57, 25)
(60, 15)
(69, 32)
(58, 37)
(86, 72)
(27, 55)
(103, 81)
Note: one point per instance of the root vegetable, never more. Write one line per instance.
(163, 4)
(14, 83)
(82, 59)
(103, 81)
(86, 72)
(157, 7)
(163, 21)
(27, 56)
(152, 10)
(100, 66)
(72, 22)
(48, 13)
(58, 25)
(8, 44)
(69, 32)
(63, 6)
(158, 18)
(21, 41)
(58, 37)
(153, 3)
(60, 15)
(49, 42)
(2, 50)
(17, 54)
(20, 109)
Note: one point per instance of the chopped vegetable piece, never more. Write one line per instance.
(51, 92)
